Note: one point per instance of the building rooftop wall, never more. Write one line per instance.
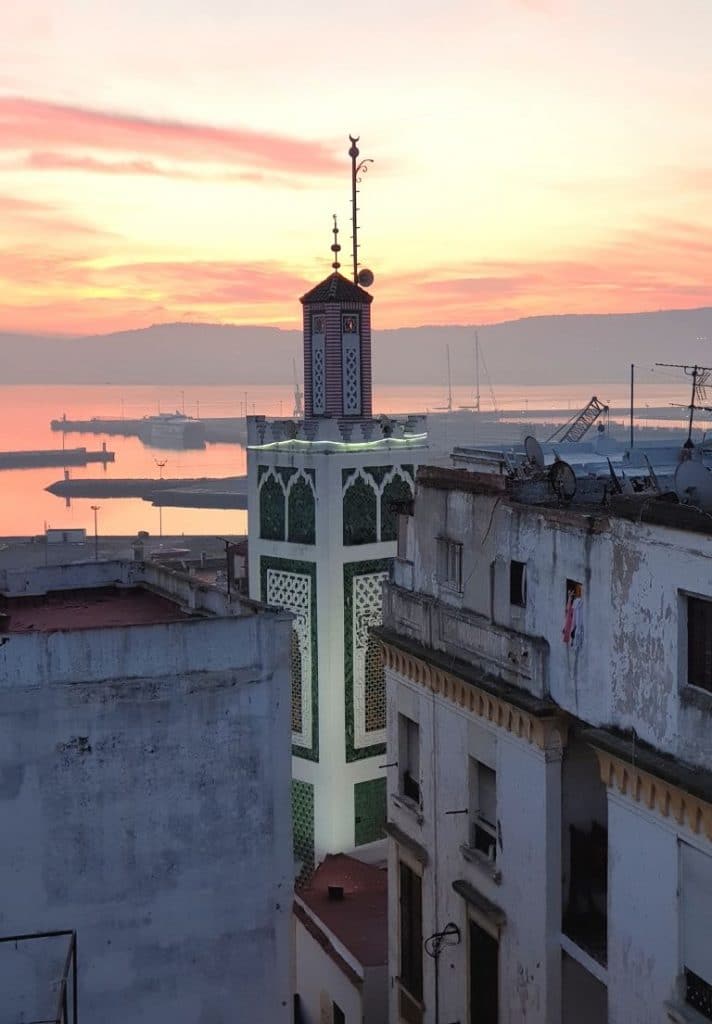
(103, 621)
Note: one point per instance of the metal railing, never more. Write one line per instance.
(67, 1001)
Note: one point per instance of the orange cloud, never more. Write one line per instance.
(64, 288)
(28, 123)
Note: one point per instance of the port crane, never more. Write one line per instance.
(575, 428)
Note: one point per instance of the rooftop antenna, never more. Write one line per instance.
(358, 169)
(700, 382)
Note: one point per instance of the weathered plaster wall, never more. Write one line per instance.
(643, 930)
(630, 669)
(153, 816)
(528, 812)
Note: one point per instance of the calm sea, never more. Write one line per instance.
(26, 412)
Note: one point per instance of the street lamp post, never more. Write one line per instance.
(160, 463)
(95, 510)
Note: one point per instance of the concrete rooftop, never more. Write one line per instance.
(89, 608)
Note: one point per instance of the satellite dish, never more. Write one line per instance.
(563, 480)
(534, 452)
(365, 277)
(693, 484)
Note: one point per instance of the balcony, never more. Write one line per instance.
(499, 651)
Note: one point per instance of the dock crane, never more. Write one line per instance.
(575, 428)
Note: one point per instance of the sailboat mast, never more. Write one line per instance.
(477, 372)
(449, 381)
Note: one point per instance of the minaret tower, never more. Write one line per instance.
(322, 497)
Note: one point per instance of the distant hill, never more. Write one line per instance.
(536, 350)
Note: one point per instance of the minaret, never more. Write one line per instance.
(337, 346)
(322, 494)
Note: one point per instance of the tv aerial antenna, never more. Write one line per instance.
(701, 378)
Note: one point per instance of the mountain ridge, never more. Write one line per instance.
(558, 348)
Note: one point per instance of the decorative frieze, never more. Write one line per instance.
(546, 732)
(656, 794)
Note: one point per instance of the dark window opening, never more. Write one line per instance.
(450, 564)
(698, 993)
(411, 932)
(699, 642)
(409, 757)
(586, 912)
(518, 583)
(483, 809)
(337, 1014)
(484, 976)
(411, 787)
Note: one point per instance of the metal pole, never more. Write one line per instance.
(75, 986)
(632, 407)
(353, 153)
(160, 463)
(95, 510)
(692, 403)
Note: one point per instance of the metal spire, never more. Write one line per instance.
(356, 170)
(336, 248)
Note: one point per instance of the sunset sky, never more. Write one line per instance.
(168, 160)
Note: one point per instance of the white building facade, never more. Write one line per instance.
(144, 796)
(549, 681)
(322, 494)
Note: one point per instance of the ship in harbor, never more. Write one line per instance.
(164, 430)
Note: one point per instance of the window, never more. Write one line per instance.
(409, 757)
(585, 913)
(484, 976)
(699, 642)
(483, 809)
(337, 1014)
(696, 909)
(450, 564)
(518, 583)
(573, 629)
(411, 932)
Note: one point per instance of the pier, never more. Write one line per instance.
(54, 457)
(195, 492)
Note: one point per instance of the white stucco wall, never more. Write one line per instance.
(151, 813)
(321, 982)
(643, 928)
(529, 890)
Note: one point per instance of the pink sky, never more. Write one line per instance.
(160, 162)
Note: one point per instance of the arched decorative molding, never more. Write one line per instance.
(654, 793)
(549, 734)
(301, 509)
(379, 479)
(360, 505)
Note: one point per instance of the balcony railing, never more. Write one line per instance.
(63, 1001)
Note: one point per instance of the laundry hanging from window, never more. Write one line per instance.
(573, 629)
